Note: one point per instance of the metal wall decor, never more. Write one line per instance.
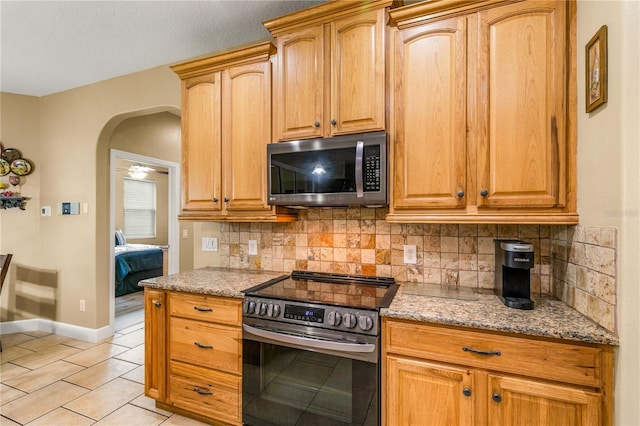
(13, 165)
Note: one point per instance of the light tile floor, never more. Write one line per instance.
(47, 379)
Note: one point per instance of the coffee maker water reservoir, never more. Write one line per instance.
(514, 259)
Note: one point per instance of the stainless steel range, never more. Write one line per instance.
(311, 349)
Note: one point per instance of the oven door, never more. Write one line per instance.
(298, 377)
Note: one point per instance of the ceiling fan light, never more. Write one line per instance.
(138, 172)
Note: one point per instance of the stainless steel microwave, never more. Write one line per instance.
(329, 172)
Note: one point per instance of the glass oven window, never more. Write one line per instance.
(285, 386)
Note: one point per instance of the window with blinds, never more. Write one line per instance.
(139, 208)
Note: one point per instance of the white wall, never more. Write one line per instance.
(609, 175)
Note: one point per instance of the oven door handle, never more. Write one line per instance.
(305, 342)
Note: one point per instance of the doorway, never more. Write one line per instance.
(173, 170)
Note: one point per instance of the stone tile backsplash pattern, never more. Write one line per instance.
(584, 271)
(360, 241)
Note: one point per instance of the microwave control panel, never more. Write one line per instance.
(371, 168)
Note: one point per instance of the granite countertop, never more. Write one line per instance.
(420, 302)
(224, 282)
(484, 310)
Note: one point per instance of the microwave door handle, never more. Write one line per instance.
(359, 157)
(305, 342)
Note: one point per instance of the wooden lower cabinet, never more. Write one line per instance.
(425, 393)
(436, 375)
(193, 355)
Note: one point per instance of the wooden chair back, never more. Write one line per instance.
(5, 260)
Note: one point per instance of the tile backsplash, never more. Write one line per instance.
(576, 264)
(584, 271)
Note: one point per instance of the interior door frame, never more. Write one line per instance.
(173, 209)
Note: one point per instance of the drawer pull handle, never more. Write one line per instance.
(479, 352)
(202, 392)
(201, 346)
(203, 309)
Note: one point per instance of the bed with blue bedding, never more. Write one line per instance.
(135, 262)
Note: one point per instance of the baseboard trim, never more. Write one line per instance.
(61, 328)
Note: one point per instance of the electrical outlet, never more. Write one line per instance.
(253, 247)
(410, 255)
(209, 244)
(82, 305)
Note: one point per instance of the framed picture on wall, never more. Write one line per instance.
(596, 70)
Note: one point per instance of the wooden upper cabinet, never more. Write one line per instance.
(522, 146)
(299, 95)
(330, 73)
(246, 132)
(226, 126)
(358, 73)
(429, 115)
(201, 142)
(483, 112)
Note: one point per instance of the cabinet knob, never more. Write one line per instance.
(484, 192)
(334, 122)
(496, 397)
(215, 199)
(157, 304)
(466, 392)
(226, 200)
(317, 124)
(460, 193)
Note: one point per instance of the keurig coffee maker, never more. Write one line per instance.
(514, 259)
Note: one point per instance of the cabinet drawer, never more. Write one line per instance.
(550, 360)
(205, 344)
(206, 308)
(206, 392)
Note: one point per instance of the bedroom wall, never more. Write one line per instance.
(157, 136)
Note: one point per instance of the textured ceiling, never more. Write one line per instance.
(51, 46)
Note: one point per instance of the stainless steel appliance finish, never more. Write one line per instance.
(311, 349)
(332, 172)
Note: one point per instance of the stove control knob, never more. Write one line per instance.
(250, 307)
(263, 309)
(276, 311)
(270, 309)
(365, 323)
(335, 318)
(350, 320)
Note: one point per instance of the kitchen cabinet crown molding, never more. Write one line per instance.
(419, 13)
(323, 12)
(242, 55)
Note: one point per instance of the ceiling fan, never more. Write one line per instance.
(139, 171)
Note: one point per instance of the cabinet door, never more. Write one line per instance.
(528, 402)
(201, 143)
(246, 133)
(422, 393)
(358, 73)
(299, 91)
(429, 116)
(155, 344)
(522, 146)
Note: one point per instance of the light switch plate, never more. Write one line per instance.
(253, 247)
(410, 255)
